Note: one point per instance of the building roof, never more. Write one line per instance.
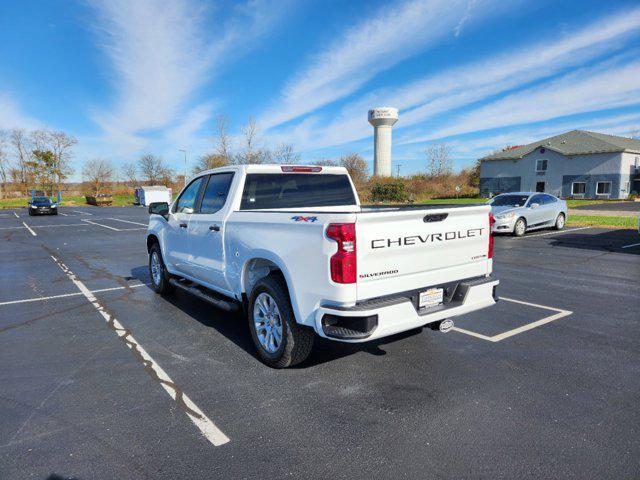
(575, 142)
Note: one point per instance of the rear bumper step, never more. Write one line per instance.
(348, 328)
(381, 317)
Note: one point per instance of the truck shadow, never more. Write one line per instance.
(606, 241)
(235, 328)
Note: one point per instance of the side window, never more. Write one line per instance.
(536, 199)
(548, 200)
(215, 194)
(187, 200)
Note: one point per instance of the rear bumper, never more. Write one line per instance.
(392, 315)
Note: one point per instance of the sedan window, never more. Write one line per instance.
(509, 200)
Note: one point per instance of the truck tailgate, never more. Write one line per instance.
(401, 250)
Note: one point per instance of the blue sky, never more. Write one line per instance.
(134, 77)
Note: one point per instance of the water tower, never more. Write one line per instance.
(382, 119)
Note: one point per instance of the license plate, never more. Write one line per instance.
(431, 297)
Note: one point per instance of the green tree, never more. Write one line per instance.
(43, 164)
(474, 177)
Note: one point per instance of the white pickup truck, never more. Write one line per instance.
(292, 248)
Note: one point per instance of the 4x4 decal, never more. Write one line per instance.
(299, 218)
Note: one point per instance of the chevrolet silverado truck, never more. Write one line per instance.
(292, 248)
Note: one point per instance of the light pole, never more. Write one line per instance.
(398, 169)
(185, 165)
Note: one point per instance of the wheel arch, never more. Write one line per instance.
(152, 239)
(259, 267)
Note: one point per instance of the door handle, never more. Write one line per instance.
(215, 228)
(183, 225)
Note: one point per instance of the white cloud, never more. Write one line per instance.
(161, 53)
(458, 87)
(606, 86)
(12, 116)
(480, 146)
(394, 33)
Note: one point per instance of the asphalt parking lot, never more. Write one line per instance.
(101, 378)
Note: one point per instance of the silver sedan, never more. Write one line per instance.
(519, 212)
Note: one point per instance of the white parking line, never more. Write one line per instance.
(510, 333)
(16, 215)
(45, 226)
(63, 214)
(127, 221)
(100, 225)
(632, 245)
(80, 211)
(199, 419)
(30, 231)
(64, 295)
(559, 232)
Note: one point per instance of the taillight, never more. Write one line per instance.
(491, 222)
(343, 262)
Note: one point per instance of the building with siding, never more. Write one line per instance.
(576, 164)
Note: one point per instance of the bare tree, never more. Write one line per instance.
(251, 153)
(357, 167)
(326, 162)
(21, 144)
(154, 170)
(97, 172)
(285, 155)
(61, 145)
(438, 160)
(129, 173)
(222, 141)
(4, 161)
(209, 161)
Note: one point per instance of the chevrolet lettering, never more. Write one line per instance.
(429, 238)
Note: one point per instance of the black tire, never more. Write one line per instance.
(297, 341)
(560, 221)
(517, 231)
(162, 286)
(55, 213)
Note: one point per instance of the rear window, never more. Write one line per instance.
(295, 190)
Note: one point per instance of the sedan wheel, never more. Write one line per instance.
(560, 222)
(520, 227)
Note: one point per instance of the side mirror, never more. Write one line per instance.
(534, 205)
(159, 208)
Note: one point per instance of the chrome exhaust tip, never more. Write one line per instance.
(445, 325)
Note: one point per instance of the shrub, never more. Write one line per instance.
(388, 192)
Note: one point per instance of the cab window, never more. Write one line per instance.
(215, 193)
(187, 200)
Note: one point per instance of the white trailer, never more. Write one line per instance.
(156, 193)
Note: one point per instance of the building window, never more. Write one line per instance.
(626, 187)
(578, 188)
(541, 165)
(603, 188)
